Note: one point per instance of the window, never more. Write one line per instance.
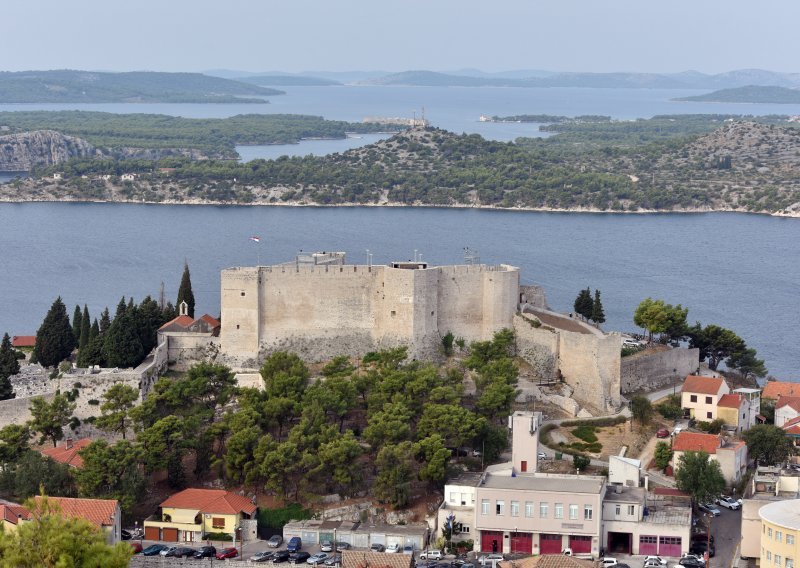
(542, 510)
(573, 512)
(484, 506)
(464, 529)
(779, 536)
(528, 508)
(587, 512)
(769, 533)
(708, 400)
(769, 555)
(789, 539)
(558, 511)
(515, 508)
(616, 511)
(394, 313)
(453, 497)
(498, 507)
(631, 510)
(218, 522)
(709, 415)
(242, 293)
(693, 398)
(777, 560)
(789, 563)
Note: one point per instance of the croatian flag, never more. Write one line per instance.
(255, 239)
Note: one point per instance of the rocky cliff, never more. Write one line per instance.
(23, 151)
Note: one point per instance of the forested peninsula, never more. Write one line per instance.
(69, 86)
(667, 163)
(749, 94)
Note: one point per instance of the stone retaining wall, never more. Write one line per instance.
(647, 372)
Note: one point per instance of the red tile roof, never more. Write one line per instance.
(696, 442)
(182, 321)
(13, 513)
(670, 492)
(731, 401)
(361, 559)
(23, 341)
(99, 512)
(790, 401)
(69, 456)
(213, 322)
(210, 501)
(790, 423)
(702, 385)
(774, 389)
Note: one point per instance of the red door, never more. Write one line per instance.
(491, 541)
(550, 544)
(523, 466)
(648, 545)
(580, 544)
(669, 546)
(521, 543)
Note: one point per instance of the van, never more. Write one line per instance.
(295, 544)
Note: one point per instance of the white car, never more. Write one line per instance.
(607, 561)
(656, 559)
(432, 554)
(710, 509)
(394, 548)
(317, 558)
(698, 557)
(542, 456)
(489, 558)
(729, 503)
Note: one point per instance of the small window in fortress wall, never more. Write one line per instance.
(242, 293)
(394, 313)
(431, 312)
(237, 326)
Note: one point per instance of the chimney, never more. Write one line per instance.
(69, 443)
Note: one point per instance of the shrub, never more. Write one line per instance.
(703, 425)
(669, 411)
(217, 536)
(585, 432)
(94, 402)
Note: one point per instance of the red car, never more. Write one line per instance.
(227, 553)
(136, 545)
(662, 433)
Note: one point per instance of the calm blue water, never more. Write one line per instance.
(740, 271)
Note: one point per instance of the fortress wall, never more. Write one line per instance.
(185, 349)
(590, 364)
(500, 299)
(239, 299)
(394, 312)
(461, 302)
(537, 346)
(650, 371)
(426, 340)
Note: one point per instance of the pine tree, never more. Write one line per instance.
(95, 330)
(9, 365)
(121, 345)
(105, 321)
(86, 326)
(185, 291)
(170, 313)
(55, 339)
(598, 315)
(583, 303)
(77, 319)
(121, 307)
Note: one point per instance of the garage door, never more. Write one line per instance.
(550, 544)
(309, 537)
(169, 535)
(521, 543)
(669, 546)
(491, 541)
(152, 533)
(580, 544)
(648, 545)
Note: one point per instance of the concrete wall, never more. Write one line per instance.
(322, 311)
(647, 372)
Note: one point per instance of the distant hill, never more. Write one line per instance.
(749, 94)
(69, 86)
(288, 81)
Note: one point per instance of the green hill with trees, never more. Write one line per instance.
(749, 94)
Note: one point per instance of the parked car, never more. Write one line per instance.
(168, 550)
(333, 560)
(229, 552)
(677, 430)
(694, 556)
(317, 558)
(295, 544)
(153, 550)
(542, 456)
(342, 545)
(657, 560)
(275, 541)
(662, 433)
(609, 562)
(263, 556)
(377, 547)
(729, 503)
(393, 548)
(702, 537)
(125, 534)
(408, 549)
(432, 554)
(299, 557)
(701, 546)
(281, 556)
(691, 562)
(205, 552)
(326, 546)
(136, 545)
(709, 508)
(182, 552)
(489, 558)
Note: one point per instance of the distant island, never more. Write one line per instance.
(749, 94)
(288, 81)
(69, 86)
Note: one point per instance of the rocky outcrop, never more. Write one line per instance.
(26, 150)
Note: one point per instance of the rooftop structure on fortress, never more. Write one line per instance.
(319, 306)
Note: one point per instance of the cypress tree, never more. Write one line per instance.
(77, 319)
(185, 291)
(121, 307)
(121, 345)
(105, 321)
(9, 365)
(95, 330)
(55, 339)
(583, 303)
(598, 315)
(86, 326)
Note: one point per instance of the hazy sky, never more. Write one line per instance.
(394, 35)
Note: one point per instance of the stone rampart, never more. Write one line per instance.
(650, 371)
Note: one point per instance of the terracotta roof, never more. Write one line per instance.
(213, 322)
(548, 561)
(13, 513)
(669, 492)
(23, 341)
(69, 456)
(792, 402)
(362, 559)
(182, 321)
(731, 401)
(792, 422)
(696, 442)
(210, 501)
(99, 512)
(702, 385)
(774, 389)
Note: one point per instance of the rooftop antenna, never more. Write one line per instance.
(423, 116)
(471, 256)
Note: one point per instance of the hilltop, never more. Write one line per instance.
(69, 86)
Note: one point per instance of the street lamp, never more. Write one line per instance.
(334, 541)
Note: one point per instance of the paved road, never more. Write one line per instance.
(727, 534)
